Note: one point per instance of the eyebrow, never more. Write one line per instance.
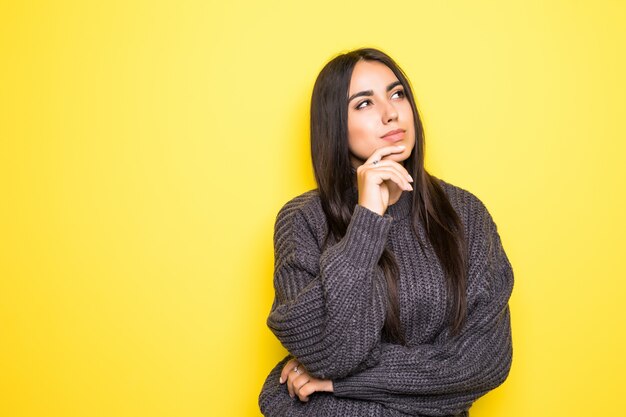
(371, 93)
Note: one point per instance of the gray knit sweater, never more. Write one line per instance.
(329, 309)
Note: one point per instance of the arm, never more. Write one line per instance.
(450, 374)
(329, 307)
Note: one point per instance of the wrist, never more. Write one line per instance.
(377, 211)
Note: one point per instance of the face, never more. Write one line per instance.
(377, 105)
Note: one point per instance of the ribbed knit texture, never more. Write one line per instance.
(329, 310)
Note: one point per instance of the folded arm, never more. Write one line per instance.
(448, 375)
(329, 308)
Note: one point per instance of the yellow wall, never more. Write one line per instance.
(145, 149)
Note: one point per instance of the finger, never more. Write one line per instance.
(392, 164)
(299, 383)
(290, 387)
(389, 162)
(292, 363)
(391, 174)
(293, 376)
(307, 389)
(384, 151)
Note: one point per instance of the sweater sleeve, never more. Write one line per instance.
(447, 376)
(329, 308)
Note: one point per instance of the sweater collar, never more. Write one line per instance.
(401, 209)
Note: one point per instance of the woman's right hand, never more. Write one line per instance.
(372, 179)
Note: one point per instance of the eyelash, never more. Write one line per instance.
(358, 106)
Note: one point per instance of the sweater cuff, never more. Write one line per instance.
(366, 236)
(342, 388)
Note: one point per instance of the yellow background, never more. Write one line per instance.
(146, 147)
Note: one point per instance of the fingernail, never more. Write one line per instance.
(280, 379)
(409, 177)
(401, 146)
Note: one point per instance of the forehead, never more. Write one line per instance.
(370, 75)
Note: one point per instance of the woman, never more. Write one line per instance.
(392, 285)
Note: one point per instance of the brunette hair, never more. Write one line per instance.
(335, 179)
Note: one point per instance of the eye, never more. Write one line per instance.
(360, 105)
(400, 92)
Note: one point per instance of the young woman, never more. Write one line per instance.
(392, 285)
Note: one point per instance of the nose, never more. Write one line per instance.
(389, 113)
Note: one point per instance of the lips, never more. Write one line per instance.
(394, 135)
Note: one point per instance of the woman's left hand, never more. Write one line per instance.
(300, 383)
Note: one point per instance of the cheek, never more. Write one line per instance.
(361, 127)
(408, 116)
(407, 111)
(359, 136)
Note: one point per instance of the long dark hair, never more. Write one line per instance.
(335, 177)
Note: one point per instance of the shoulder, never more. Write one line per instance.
(303, 203)
(484, 242)
(489, 266)
(306, 206)
(480, 227)
(301, 216)
(462, 200)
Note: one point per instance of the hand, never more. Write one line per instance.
(372, 179)
(300, 383)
